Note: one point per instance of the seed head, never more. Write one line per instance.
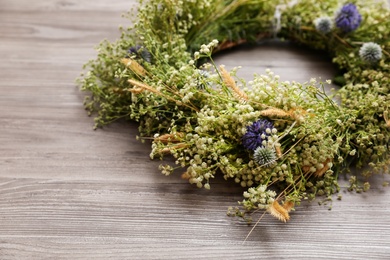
(370, 52)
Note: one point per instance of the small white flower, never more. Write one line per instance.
(196, 55)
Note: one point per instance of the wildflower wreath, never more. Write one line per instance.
(284, 141)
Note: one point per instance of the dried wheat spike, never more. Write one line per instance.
(230, 83)
(169, 138)
(277, 112)
(139, 85)
(299, 113)
(171, 148)
(279, 212)
(134, 66)
(278, 151)
(186, 176)
(288, 205)
(137, 90)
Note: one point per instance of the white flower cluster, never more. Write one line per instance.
(258, 198)
(206, 49)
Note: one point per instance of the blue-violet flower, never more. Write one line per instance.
(256, 134)
(202, 74)
(348, 18)
(140, 52)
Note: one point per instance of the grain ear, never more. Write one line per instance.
(230, 83)
(279, 211)
(134, 66)
(275, 112)
(288, 205)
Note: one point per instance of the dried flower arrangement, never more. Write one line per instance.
(285, 141)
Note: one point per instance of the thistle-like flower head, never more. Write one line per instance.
(348, 18)
(264, 156)
(323, 24)
(202, 74)
(256, 133)
(140, 52)
(370, 52)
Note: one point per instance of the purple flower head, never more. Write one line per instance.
(140, 52)
(348, 18)
(256, 134)
(134, 49)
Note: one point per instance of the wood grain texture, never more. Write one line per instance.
(68, 192)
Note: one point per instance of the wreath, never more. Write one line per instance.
(284, 141)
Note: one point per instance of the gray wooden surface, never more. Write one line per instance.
(68, 192)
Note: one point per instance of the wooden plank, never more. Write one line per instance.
(61, 217)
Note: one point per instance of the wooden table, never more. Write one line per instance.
(68, 192)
